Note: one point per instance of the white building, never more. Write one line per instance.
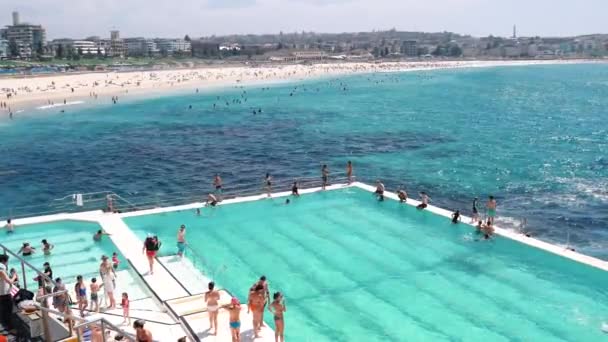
(3, 48)
(171, 46)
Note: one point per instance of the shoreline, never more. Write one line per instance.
(51, 91)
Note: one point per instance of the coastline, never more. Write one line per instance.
(51, 91)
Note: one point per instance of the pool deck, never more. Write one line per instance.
(176, 284)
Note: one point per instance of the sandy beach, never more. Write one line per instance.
(59, 90)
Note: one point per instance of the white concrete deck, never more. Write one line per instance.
(194, 304)
(161, 282)
(193, 280)
(199, 323)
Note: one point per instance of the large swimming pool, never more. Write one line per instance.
(355, 269)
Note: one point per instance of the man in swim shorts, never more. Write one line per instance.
(402, 195)
(234, 308)
(424, 199)
(491, 207)
(324, 176)
(181, 240)
(379, 190)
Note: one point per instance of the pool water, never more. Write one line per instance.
(353, 269)
(75, 252)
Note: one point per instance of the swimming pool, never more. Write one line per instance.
(352, 268)
(75, 253)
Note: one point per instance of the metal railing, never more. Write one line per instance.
(111, 201)
(103, 327)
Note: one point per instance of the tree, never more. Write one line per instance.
(60, 52)
(386, 52)
(455, 51)
(280, 46)
(13, 48)
(99, 52)
(39, 50)
(79, 51)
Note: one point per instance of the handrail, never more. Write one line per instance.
(91, 200)
(104, 324)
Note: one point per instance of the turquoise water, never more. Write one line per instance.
(535, 137)
(354, 269)
(75, 252)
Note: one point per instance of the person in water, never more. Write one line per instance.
(181, 240)
(349, 172)
(379, 190)
(26, 249)
(475, 210)
(324, 176)
(456, 216)
(47, 247)
(234, 309)
(10, 227)
(402, 194)
(491, 207)
(294, 189)
(100, 233)
(212, 298)
(278, 309)
(142, 334)
(424, 200)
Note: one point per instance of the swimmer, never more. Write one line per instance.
(294, 189)
(402, 195)
(212, 298)
(97, 236)
(324, 176)
(424, 198)
(26, 249)
(456, 216)
(198, 211)
(287, 201)
(47, 247)
(278, 308)
(349, 171)
(181, 240)
(10, 227)
(491, 207)
(379, 190)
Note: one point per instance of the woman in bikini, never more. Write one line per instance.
(278, 308)
(212, 298)
(81, 294)
(256, 306)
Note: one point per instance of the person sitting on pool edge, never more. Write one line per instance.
(402, 194)
(379, 190)
(424, 199)
(211, 200)
(456, 217)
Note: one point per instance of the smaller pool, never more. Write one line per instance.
(75, 252)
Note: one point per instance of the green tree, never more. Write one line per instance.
(13, 48)
(39, 50)
(187, 38)
(99, 54)
(60, 52)
(80, 51)
(455, 51)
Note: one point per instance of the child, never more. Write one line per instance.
(115, 261)
(46, 247)
(95, 295)
(125, 308)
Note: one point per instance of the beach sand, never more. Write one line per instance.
(58, 90)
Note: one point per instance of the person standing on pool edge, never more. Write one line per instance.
(212, 298)
(181, 241)
(324, 176)
(349, 172)
(151, 247)
(475, 217)
(278, 308)
(217, 183)
(268, 183)
(491, 206)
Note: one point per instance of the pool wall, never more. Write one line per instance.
(129, 245)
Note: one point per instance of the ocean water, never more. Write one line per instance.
(355, 269)
(535, 137)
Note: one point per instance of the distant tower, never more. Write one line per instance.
(114, 34)
(514, 31)
(15, 18)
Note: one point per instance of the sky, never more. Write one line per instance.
(197, 18)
